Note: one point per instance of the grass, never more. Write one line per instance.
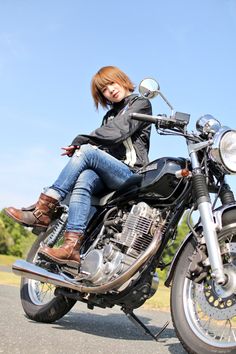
(8, 278)
(7, 260)
(160, 300)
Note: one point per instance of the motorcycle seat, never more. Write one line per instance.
(134, 180)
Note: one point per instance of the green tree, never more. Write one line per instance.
(14, 238)
(173, 246)
(6, 240)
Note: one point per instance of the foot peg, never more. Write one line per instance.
(72, 269)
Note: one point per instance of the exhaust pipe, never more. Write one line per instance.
(31, 271)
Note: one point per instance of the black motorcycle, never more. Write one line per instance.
(132, 227)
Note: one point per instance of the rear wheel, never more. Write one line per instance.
(38, 299)
(204, 314)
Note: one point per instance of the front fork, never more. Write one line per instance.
(213, 248)
(205, 209)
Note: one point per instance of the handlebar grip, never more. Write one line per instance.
(161, 121)
(143, 117)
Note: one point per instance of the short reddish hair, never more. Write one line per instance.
(105, 76)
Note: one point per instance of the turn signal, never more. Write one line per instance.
(183, 173)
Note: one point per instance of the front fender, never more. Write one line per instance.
(224, 215)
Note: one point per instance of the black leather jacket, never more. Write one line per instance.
(122, 137)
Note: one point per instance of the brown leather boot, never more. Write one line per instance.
(68, 252)
(39, 214)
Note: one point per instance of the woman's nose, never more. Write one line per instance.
(110, 88)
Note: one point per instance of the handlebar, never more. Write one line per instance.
(144, 117)
(161, 121)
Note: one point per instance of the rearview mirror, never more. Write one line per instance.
(149, 88)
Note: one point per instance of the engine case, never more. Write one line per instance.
(115, 252)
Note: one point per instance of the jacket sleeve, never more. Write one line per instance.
(118, 129)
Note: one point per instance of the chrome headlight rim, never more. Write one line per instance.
(216, 151)
(207, 124)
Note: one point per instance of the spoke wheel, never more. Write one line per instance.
(38, 299)
(204, 315)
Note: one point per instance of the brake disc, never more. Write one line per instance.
(217, 301)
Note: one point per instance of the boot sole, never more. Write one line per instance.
(22, 223)
(69, 263)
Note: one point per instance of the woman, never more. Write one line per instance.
(106, 158)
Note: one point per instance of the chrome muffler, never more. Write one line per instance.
(31, 271)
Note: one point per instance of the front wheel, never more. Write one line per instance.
(204, 314)
(37, 298)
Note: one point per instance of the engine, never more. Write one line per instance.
(123, 238)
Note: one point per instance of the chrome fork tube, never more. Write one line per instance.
(213, 248)
(205, 210)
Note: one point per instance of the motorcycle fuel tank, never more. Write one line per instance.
(156, 181)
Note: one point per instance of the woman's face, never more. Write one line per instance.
(114, 92)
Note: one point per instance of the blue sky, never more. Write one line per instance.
(50, 49)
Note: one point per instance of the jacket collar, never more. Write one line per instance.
(124, 102)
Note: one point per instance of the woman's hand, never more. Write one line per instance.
(69, 150)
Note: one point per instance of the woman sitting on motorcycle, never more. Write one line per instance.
(106, 158)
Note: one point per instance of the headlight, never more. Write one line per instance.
(223, 150)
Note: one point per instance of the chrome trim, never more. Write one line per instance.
(208, 124)
(215, 149)
(211, 238)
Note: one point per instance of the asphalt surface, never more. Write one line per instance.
(81, 331)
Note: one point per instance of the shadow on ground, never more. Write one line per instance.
(117, 326)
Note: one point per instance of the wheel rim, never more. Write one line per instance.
(40, 293)
(210, 310)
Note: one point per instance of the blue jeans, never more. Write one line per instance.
(89, 171)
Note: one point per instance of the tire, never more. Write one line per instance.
(202, 324)
(38, 299)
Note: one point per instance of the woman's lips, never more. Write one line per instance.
(116, 95)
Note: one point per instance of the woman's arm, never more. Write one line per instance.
(119, 128)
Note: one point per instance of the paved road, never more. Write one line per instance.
(81, 331)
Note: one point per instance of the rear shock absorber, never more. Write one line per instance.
(58, 227)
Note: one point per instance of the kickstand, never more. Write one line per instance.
(138, 323)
